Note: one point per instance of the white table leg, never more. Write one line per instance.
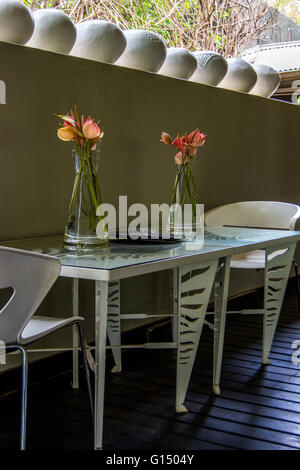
(277, 272)
(194, 288)
(220, 301)
(114, 323)
(101, 299)
(75, 358)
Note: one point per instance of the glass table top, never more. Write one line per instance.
(129, 254)
(237, 236)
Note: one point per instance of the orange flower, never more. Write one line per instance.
(85, 132)
(67, 133)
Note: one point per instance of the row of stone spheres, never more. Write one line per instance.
(102, 41)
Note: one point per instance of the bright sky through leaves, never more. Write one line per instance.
(289, 7)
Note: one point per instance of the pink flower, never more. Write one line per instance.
(197, 139)
(186, 145)
(180, 158)
(179, 143)
(90, 129)
(166, 139)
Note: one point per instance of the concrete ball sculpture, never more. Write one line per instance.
(145, 50)
(99, 40)
(268, 80)
(53, 31)
(211, 68)
(16, 22)
(179, 63)
(240, 76)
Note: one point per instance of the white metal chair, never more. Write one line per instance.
(254, 214)
(30, 275)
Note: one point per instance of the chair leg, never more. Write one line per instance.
(24, 395)
(24, 399)
(297, 280)
(86, 368)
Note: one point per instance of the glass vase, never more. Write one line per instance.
(186, 216)
(80, 231)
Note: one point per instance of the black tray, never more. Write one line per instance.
(162, 238)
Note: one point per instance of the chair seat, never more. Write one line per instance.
(252, 259)
(39, 327)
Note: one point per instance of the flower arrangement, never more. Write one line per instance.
(86, 197)
(184, 191)
(186, 145)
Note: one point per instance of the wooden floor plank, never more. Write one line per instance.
(209, 421)
(202, 395)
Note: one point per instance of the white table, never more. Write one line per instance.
(195, 271)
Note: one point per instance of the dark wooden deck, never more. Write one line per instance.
(259, 407)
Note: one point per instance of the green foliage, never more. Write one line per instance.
(221, 25)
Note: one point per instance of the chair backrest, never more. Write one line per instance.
(31, 275)
(259, 214)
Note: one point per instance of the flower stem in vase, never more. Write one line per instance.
(185, 218)
(82, 222)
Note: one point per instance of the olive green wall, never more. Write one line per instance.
(251, 150)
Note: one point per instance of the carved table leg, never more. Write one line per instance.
(114, 323)
(174, 318)
(220, 300)
(277, 270)
(194, 288)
